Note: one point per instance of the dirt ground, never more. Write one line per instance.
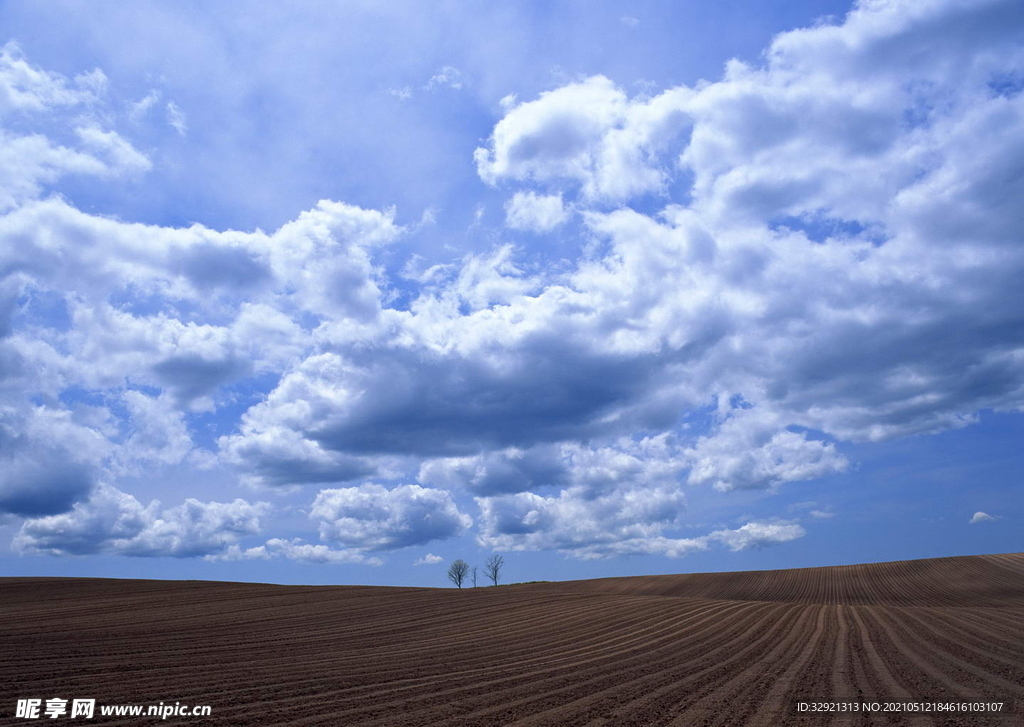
(700, 649)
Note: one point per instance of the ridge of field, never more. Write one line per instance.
(572, 654)
(972, 580)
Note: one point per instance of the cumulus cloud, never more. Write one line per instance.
(757, 535)
(253, 285)
(297, 550)
(794, 165)
(158, 430)
(535, 213)
(607, 500)
(482, 364)
(591, 134)
(371, 517)
(246, 289)
(428, 559)
(619, 522)
(277, 456)
(318, 263)
(114, 522)
(501, 471)
(623, 463)
(982, 517)
(748, 450)
(48, 460)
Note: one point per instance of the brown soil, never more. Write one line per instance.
(698, 649)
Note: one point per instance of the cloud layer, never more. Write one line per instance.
(818, 250)
(114, 522)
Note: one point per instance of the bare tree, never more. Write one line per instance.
(457, 572)
(473, 576)
(493, 566)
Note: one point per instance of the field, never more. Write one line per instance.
(701, 649)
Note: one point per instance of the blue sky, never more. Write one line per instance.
(339, 293)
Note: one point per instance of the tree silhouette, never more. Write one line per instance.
(493, 566)
(457, 572)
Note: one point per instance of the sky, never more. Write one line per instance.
(339, 293)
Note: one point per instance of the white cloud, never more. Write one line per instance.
(158, 430)
(176, 118)
(27, 163)
(758, 535)
(590, 133)
(492, 279)
(30, 161)
(279, 456)
(504, 471)
(27, 88)
(625, 463)
(414, 269)
(325, 257)
(86, 261)
(371, 517)
(296, 550)
(813, 509)
(447, 76)
(48, 460)
(114, 522)
(138, 110)
(536, 213)
(428, 559)
(749, 450)
(619, 522)
(982, 517)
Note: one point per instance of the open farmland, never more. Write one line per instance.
(700, 649)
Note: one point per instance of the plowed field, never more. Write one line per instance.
(699, 649)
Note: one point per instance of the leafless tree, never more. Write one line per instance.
(473, 576)
(457, 572)
(493, 566)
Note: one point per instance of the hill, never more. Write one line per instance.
(700, 649)
(976, 580)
